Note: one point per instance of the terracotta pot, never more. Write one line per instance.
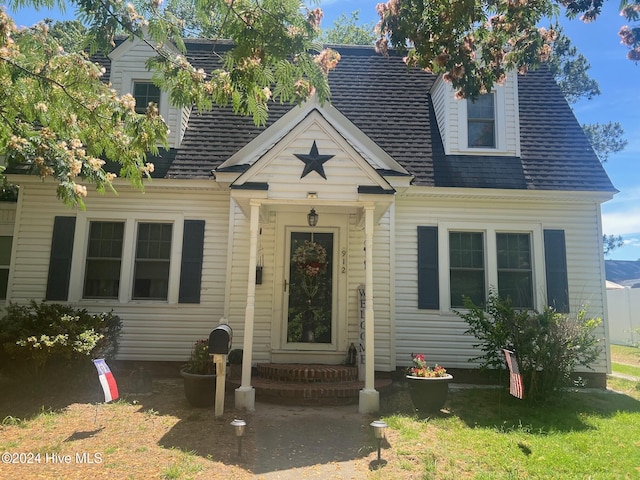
(200, 390)
(428, 394)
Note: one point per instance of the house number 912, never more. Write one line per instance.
(343, 255)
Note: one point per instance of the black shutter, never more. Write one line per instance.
(191, 268)
(60, 261)
(428, 289)
(555, 257)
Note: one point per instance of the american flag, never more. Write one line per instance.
(515, 379)
(107, 380)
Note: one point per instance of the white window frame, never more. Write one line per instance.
(146, 83)
(130, 78)
(491, 256)
(500, 127)
(131, 221)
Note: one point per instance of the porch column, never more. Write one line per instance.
(245, 395)
(369, 396)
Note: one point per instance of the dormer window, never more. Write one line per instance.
(481, 122)
(145, 93)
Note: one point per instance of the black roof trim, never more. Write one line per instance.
(375, 190)
(251, 186)
(234, 168)
(391, 173)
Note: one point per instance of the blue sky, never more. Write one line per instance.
(619, 81)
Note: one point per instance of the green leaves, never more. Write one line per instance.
(59, 119)
(473, 43)
(548, 345)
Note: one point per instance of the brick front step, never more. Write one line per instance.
(305, 373)
(306, 384)
(291, 393)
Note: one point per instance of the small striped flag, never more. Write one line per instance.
(107, 380)
(515, 378)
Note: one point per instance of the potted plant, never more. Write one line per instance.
(199, 375)
(428, 387)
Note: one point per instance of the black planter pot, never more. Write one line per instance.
(200, 390)
(428, 394)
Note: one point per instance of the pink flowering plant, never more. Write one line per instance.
(421, 369)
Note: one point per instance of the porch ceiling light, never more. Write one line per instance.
(312, 218)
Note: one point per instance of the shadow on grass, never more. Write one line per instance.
(277, 438)
(496, 408)
(25, 397)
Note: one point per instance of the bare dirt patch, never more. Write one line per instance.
(67, 433)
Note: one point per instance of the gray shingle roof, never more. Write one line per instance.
(623, 272)
(392, 106)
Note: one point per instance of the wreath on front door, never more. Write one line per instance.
(310, 260)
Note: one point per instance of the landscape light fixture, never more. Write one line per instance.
(312, 218)
(378, 429)
(239, 426)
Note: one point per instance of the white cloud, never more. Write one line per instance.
(622, 222)
(632, 242)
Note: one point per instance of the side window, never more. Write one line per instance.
(145, 93)
(104, 258)
(5, 261)
(467, 269)
(481, 122)
(515, 274)
(152, 261)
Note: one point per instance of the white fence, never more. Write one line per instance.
(623, 305)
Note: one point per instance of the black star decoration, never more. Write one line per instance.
(313, 161)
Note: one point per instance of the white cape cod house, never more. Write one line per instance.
(420, 198)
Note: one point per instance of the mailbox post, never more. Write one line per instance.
(219, 346)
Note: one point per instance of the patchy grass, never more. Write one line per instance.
(625, 369)
(625, 354)
(483, 434)
(487, 434)
(626, 387)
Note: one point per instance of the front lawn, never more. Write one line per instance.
(488, 434)
(625, 354)
(484, 433)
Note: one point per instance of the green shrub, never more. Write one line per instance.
(34, 335)
(548, 345)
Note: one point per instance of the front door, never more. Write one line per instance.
(310, 297)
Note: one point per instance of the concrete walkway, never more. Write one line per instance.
(291, 442)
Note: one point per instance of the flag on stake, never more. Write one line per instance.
(106, 380)
(515, 379)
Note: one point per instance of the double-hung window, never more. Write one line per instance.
(153, 256)
(481, 122)
(515, 274)
(151, 264)
(515, 263)
(145, 93)
(467, 267)
(104, 260)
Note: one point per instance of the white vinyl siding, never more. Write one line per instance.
(440, 333)
(153, 330)
(282, 170)
(128, 67)
(451, 115)
(268, 313)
